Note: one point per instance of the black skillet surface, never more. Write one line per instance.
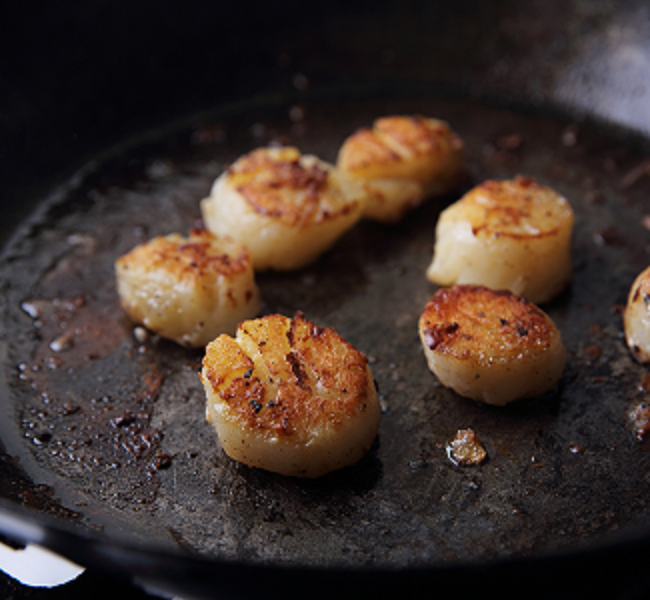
(114, 426)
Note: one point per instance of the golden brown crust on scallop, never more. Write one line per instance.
(188, 289)
(281, 185)
(190, 259)
(509, 206)
(381, 151)
(287, 377)
(468, 321)
(511, 234)
(286, 207)
(226, 361)
(491, 346)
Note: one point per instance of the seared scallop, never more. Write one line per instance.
(290, 397)
(513, 235)
(188, 289)
(636, 317)
(287, 208)
(491, 346)
(402, 161)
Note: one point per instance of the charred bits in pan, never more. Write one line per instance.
(466, 448)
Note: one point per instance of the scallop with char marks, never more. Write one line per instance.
(491, 346)
(290, 397)
(402, 161)
(188, 289)
(287, 208)
(513, 234)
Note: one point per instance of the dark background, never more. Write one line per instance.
(77, 77)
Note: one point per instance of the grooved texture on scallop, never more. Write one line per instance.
(402, 161)
(290, 397)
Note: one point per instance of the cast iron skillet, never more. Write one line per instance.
(106, 436)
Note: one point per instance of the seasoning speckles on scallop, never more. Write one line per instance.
(188, 289)
(286, 207)
(636, 317)
(513, 235)
(491, 346)
(402, 161)
(290, 397)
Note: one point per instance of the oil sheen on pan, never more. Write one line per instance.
(116, 416)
